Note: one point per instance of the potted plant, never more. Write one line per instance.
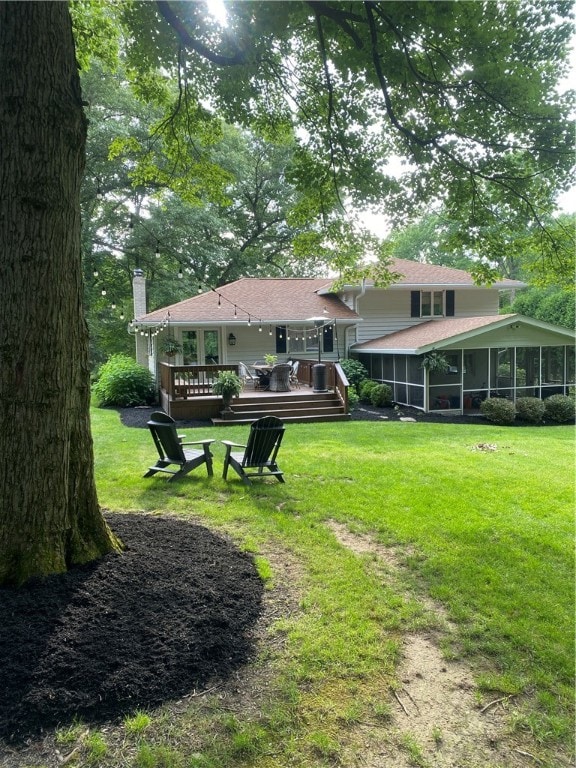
(228, 385)
(436, 362)
(270, 359)
(170, 346)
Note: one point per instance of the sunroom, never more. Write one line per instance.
(507, 356)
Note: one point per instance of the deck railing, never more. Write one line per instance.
(185, 381)
(341, 385)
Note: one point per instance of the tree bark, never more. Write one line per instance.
(49, 514)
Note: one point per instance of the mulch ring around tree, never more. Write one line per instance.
(173, 614)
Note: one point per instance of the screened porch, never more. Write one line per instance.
(474, 375)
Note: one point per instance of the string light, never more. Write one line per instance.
(157, 251)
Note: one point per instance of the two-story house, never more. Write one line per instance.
(390, 330)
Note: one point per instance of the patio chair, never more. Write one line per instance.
(248, 379)
(259, 453)
(294, 382)
(171, 451)
(280, 378)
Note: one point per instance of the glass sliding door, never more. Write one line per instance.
(201, 347)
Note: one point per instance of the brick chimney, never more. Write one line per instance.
(139, 296)
(139, 293)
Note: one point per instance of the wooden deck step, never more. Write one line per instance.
(303, 418)
(300, 409)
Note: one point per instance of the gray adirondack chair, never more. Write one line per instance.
(170, 447)
(259, 453)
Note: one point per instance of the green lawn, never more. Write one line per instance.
(486, 533)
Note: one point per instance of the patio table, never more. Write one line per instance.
(262, 370)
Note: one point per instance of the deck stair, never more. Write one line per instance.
(303, 407)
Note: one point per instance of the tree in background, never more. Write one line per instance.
(466, 93)
(182, 244)
(551, 305)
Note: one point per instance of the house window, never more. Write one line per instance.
(295, 341)
(432, 304)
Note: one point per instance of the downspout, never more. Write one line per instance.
(356, 302)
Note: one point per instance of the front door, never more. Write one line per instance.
(200, 347)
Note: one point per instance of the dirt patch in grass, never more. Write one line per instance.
(438, 718)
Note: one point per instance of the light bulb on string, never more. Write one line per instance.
(180, 274)
(249, 321)
(235, 311)
(103, 292)
(219, 302)
(199, 288)
(95, 273)
(157, 251)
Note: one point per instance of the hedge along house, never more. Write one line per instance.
(429, 313)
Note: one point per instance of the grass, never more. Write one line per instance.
(487, 533)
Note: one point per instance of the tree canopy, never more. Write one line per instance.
(466, 94)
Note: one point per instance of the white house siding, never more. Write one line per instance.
(252, 345)
(387, 311)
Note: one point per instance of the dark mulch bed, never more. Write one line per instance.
(172, 615)
(137, 417)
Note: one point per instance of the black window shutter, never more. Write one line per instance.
(280, 339)
(414, 303)
(449, 303)
(328, 339)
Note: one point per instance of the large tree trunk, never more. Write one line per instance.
(49, 514)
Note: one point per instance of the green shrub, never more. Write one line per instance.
(353, 399)
(559, 408)
(530, 409)
(381, 396)
(498, 410)
(366, 388)
(355, 372)
(124, 382)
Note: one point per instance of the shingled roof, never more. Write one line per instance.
(419, 275)
(431, 333)
(277, 300)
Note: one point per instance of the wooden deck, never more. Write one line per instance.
(185, 393)
(297, 405)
